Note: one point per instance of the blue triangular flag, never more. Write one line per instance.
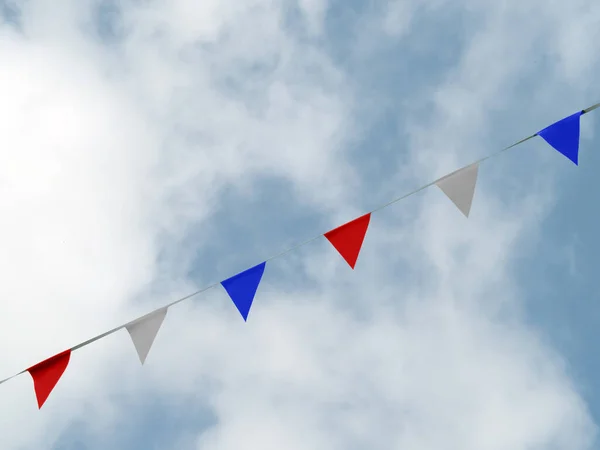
(564, 136)
(242, 288)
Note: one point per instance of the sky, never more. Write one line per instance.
(152, 148)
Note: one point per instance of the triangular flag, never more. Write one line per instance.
(47, 373)
(459, 186)
(564, 136)
(242, 288)
(143, 331)
(348, 238)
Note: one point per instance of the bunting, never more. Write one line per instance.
(47, 373)
(459, 187)
(243, 286)
(347, 239)
(143, 331)
(564, 136)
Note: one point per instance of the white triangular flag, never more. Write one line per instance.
(459, 186)
(144, 330)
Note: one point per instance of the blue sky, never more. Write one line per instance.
(178, 143)
(561, 293)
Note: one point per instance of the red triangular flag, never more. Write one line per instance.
(348, 238)
(47, 373)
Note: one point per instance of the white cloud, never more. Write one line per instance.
(114, 156)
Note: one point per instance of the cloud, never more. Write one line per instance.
(138, 141)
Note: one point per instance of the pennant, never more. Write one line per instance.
(564, 136)
(47, 373)
(242, 288)
(459, 187)
(348, 238)
(143, 331)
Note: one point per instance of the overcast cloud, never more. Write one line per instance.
(150, 148)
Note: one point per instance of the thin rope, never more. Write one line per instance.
(294, 247)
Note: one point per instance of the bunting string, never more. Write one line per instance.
(347, 239)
